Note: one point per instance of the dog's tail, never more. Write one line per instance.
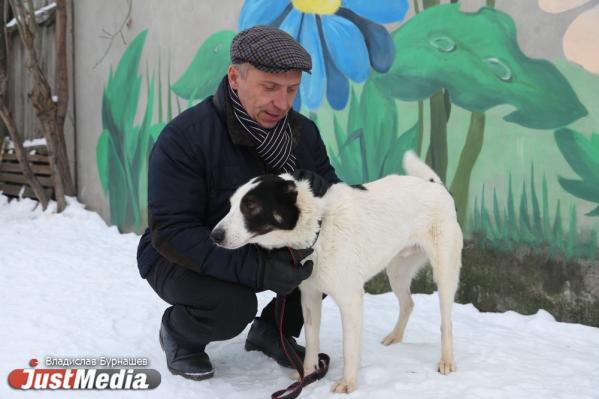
(414, 166)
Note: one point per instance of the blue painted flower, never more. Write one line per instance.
(344, 37)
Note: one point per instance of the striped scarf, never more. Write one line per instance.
(274, 146)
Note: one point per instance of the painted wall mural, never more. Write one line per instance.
(513, 137)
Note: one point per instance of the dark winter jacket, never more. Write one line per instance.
(199, 160)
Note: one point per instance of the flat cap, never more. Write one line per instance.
(270, 50)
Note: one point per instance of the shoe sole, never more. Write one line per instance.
(195, 376)
(251, 347)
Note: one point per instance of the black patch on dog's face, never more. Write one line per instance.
(271, 205)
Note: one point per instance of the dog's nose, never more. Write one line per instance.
(218, 235)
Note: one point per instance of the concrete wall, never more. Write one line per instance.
(175, 30)
(522, 186)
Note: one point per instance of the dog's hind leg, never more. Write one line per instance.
(311, 309)
(400, 271)
(445, 256)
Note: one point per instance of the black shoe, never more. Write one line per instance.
(194, 365)
(264, 337)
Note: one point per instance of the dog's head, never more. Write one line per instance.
(271, 211)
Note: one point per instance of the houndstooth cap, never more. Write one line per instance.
(270, 50)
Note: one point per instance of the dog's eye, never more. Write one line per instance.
(277, 216)
(250, 206)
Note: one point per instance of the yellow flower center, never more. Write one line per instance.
(322, 7)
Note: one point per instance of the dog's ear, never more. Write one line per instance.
(290, 186)
(290, 189)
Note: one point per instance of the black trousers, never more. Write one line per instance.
(204, 309)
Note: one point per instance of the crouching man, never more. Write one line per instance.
(248, 128)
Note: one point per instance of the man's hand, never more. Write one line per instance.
(318, 183)
(282, 270)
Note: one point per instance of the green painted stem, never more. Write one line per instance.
(365, 177)
(491, 3)
(420, 127)
(472, 147)
(159, 92)
(429, 3)
(438, 145)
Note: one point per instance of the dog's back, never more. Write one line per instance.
(369, 227)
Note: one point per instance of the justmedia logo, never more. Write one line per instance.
(83, 378)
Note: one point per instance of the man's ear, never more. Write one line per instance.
(233, 76)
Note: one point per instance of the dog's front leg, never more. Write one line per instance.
(351, 317)
(311, 308)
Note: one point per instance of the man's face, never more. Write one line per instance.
(266, 97)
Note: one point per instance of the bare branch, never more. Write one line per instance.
(112, 36)
(8, 121)
(45, 108)
(62, 78)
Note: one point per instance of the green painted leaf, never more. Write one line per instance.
(355, 148)
(476, 223)
(558, 232)
(572, 240)
(349, 169)
(379, 117)
(102, 159)
(208, 67)
(118, 144)
(354, 119)
(525, 228)
(120, 205)
(497, 215)
(139, 163)
(121, 94)
(594, 212)
(581, 153)
(511, 224)
(487, 226)
(580, 189)
(537, 225)
(546, 220)
(392, 162)
(476, 57)
(139, 154)
(155, 130)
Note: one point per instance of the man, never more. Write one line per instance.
(246, 129)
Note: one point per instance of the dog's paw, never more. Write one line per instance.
(446, 366)
(295, 376)
(391, 339)
(344, 386)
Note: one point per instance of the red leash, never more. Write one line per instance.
(293, 390)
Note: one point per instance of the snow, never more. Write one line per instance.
(71, 289)
(38, 12)
(27, 143)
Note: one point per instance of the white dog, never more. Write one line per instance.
(397, 223)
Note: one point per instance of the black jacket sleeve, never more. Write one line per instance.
(177, 202)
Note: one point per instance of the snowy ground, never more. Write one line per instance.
(70, 288)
